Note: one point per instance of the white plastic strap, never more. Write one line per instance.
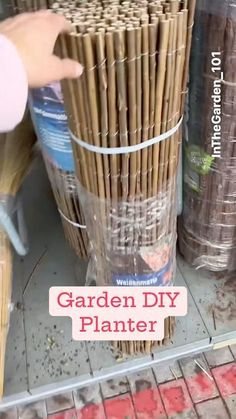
(69, 221)
(127, 149)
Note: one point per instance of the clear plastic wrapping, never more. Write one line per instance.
(69, 207)
(50, 120)
(133, 242)
(207, 228)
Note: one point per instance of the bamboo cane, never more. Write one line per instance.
(5, 299)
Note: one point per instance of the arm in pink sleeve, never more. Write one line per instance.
(13, 86)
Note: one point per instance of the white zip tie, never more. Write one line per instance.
(127, 149)
(69, 221)
(203, 369)
(173, 373)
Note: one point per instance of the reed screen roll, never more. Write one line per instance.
(207, 233)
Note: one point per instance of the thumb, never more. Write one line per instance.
(63, 69)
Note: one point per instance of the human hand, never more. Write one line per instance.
(34, 36)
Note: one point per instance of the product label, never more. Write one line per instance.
(198, 160)
(51, 124)
(198, 163)
(157, 266)
(157, 279)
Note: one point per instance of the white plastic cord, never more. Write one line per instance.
(229, 83)
(127, 149)
(69, 221)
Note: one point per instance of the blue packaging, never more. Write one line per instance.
(51, 124)
(154, 279)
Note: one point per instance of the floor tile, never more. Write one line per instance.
(33, 411)
(120, 407)
(219, 357)
(148, 404)
(60, 402)
(9, 414)
(167, 372)
(212, 409)
(176, 399)
(230, 402)
(146, 396)
(66, 414)
(201, 386)
(114, 387)
(88, 403)
(141, 380)
(225, 377)
(92, 411)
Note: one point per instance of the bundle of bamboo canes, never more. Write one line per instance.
(5, 299)
(207, 234)
(15, 158)
(135, 57)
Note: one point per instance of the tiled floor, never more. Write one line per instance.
(201, 387)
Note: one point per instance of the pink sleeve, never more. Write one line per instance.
(13, 86)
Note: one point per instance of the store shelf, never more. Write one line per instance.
(35, 366)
